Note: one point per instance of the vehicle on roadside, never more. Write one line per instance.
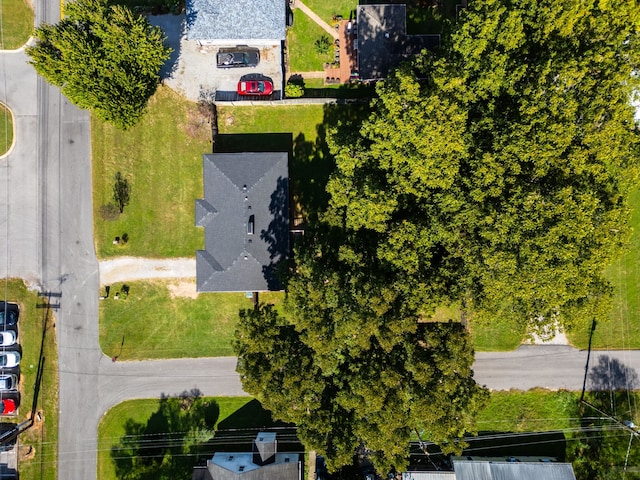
(7, 338)
(240, 56)
(260, 87)
(8, 382)
(9, 359)
(9, 314)
(7, 406)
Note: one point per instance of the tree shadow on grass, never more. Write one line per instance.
(170, 442)
(237, 432)
(312, 162)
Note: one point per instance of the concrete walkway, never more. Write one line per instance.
(307, 11)
(309, 74)
(123, 269)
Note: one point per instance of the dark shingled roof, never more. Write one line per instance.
(383, 42)
(239, 189)
(236, 19)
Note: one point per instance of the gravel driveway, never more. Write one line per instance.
(192, 70)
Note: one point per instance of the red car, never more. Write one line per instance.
(255, 87)
(7, 406)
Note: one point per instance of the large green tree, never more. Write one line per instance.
(496, 175)
(500, 179)
(377, 396)
(104, 58)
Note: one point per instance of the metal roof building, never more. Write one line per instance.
(516, 470)
(255, 22)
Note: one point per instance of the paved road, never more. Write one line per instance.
(45, 210)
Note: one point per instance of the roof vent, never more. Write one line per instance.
(251, 224)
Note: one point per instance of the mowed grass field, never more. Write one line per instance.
(303, 56)
(622, 329)
(36, 330)
(161, 159)
(17, 23)
(166, 438)
(155, 322)
(326, 9)
(6, 129)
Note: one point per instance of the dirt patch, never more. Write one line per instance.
(183, 289)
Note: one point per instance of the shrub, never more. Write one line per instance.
(109, 211)
(293, 90)
(322, 44)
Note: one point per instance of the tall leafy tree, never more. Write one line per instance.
(495, 175)
(502, 179)
(104, 58)
(376, 396)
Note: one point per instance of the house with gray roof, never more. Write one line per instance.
(251, 22)
(383, 43)
(264, 463)
(245, 215)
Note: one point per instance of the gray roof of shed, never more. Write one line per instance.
(484, 470)
(383, 42)
(237, 19)
(238, 186)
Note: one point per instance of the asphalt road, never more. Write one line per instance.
(46, 215)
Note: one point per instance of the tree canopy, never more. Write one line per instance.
(104, 58)
(493, 175)
(501, 179)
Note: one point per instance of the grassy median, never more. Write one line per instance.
(17, 23)
(6, 129)
(38, 451)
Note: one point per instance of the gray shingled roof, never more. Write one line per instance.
(483, 470)
(236, 19)
(239, 187)
(383, 42)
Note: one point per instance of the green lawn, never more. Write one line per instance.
(534, 410)
(161, 158)
(301, 130)
(576, 433)
(622, 328)
(303, 56)
(173, 434)
(36, 331)
(156, 325)
(326, 9)
(6, 129)
(17, 23)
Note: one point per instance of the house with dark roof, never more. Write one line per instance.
(245, 215)
(237, 22)
(382, 41)
(264, 463)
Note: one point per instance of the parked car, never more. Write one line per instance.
(9, 313)
(8, 382)
(7, 338)
(7, 406)
(240, 56)
(9, 359)
(255, 87)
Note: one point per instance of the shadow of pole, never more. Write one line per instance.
(586, 367)
(11, 435)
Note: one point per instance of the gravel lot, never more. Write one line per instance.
(192, 69)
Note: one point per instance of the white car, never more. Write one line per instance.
(7, 338)
(9, 359)
(8, 382)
